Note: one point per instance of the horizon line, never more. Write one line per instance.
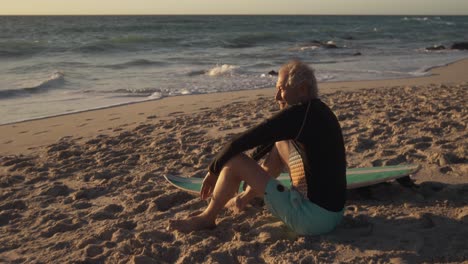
(233, 14)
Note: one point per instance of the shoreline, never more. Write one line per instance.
(328, 84)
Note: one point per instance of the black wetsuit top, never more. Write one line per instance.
(314, 126)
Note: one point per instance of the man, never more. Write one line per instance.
(307, 139)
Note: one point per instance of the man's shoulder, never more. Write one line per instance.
(320, 104)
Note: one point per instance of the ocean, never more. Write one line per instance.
(51, 65)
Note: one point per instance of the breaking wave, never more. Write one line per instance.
(56, 80)
(223, 70)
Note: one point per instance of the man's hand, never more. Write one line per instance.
(208, 185)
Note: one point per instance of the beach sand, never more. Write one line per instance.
(89, 187)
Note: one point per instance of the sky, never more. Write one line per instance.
(313, 7)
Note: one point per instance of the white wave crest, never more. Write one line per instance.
(222, 70)
(56, 78)
(430, 20)
(155, 95)
(325, 77)
(416, 18)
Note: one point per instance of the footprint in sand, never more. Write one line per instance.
(154, 236)
(8, 142)
(140, 208)
(89, 193)
(16, 204)
(108, 212)
(121, 235)
(56, 190)
(127, 224)
(176, 113)
(22, 132)
(41, 132)
(7, 217)
(81, 205)
(82, 125)
(164, 203)
(93, 250)
(145, 128)
(61, 227)
(10, 181)
(17, 163)
(116, 118)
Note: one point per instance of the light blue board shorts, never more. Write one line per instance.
(299, 213)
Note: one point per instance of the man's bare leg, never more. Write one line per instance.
(240, 201)
(237, 169)
(276, 160)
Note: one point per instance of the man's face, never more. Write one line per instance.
(285, 94)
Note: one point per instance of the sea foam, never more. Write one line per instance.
(224, 69)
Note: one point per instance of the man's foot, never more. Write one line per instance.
(192, 223)
(237, 204)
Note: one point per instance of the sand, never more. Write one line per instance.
(88, 187)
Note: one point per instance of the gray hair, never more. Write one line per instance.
(299, 72)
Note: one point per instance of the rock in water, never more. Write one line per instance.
(460, 45)
(273, 73)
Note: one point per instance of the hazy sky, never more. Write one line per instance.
(404, 7)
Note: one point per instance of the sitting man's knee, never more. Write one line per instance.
(237, 160)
